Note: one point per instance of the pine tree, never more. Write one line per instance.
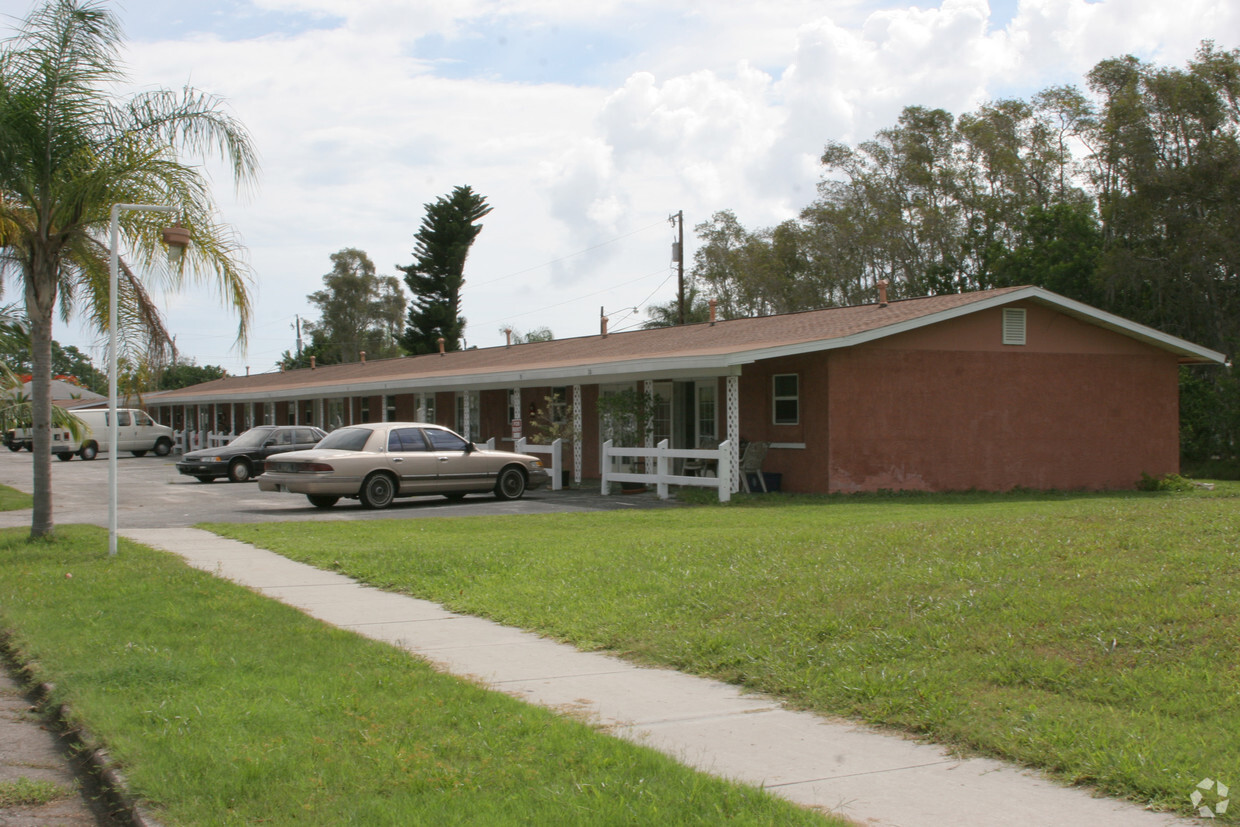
(443, 241)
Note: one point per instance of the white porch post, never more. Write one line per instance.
(734, 429)
(468, 416)
(577, 431)
(514, 401)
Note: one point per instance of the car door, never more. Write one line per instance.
(409, 456)
(460, 467)
(280, 442)
(125, 439)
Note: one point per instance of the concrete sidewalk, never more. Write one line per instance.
(871, 777)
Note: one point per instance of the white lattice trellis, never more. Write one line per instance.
(577, 430)
(733, 403)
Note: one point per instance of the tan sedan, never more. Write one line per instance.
(378, 462)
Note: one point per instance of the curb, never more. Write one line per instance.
(86, 746)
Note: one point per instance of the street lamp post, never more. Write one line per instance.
(113, 432)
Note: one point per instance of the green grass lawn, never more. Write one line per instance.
(1094, 636)
(13, 500)
(225, 707)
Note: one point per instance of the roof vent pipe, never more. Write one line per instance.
(714, 305)
(508, 336)
(311, 363)
(882, 292)
(441, 346)
(603, 326)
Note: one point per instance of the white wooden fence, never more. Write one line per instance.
(662, 476)
(183, 441)
(555, 449)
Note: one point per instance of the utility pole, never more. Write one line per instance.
(678, 256)
(298, 336)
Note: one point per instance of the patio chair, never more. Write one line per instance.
(751, 463)
(702, 467)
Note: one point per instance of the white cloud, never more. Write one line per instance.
(653, 108)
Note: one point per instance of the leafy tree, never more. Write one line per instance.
(697, 309)
(1057, 248)
(538, 334)
(69, 151)
(358, 311)
(184, 374)
(448, 230)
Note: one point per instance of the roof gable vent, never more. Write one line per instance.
(1013, 326)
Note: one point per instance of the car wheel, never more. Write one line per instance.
(14, 447)
(89, 451)
(378, 491)
(163, 448)
(239, 471)
(511, 484)
(64, 457)
(322, 500)
(29, 446)
(138, 453)
(204, 479)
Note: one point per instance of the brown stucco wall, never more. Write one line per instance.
(952, 408)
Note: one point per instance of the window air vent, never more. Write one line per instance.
(1013, 326)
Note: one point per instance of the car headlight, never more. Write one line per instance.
(536, 463)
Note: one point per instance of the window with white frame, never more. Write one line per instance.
(786, 398)
(389, 409)
(707, 419)
(365, 409)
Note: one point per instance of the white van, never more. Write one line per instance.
(136, 432)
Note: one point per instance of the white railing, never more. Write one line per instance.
(555, 449)
(183, 441)
(662, 476)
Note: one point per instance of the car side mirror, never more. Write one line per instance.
(470, 447)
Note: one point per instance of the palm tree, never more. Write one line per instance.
(69, 150)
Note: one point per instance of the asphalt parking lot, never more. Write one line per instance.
(151, 494)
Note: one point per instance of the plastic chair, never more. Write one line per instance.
(751, 463)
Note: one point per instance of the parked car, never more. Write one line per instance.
(378, 462)
(246, 456)
(136, 432)
(15, 439)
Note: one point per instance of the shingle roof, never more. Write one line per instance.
(730, 342)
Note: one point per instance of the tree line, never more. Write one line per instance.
(1125, 196)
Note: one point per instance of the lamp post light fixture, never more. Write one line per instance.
(176, 238)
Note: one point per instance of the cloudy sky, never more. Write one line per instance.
(585, 125)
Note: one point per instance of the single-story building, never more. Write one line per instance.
(1012, 387)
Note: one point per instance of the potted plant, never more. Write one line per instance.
(627, 419)
(555, 420)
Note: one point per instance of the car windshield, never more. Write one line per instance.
(346, 439)
(253, 438)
